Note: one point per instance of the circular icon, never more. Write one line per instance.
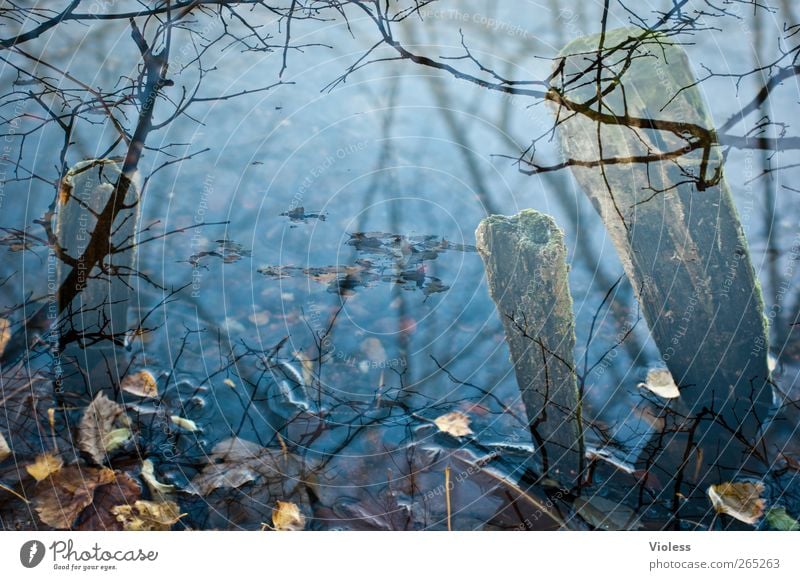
(31, 553)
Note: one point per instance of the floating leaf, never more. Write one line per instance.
(661, 383)
(5, 334)
(454, 423)
(778, 519)
(103, 429)
(287, 517)
(72, 490)
(148, 516)
(604, 514)
(149, 476)
(740, 500)
(141, 384)
(186, 424)
(124, 490)
(5, 450)
(229, 383)
(235, 462)
(45, 465)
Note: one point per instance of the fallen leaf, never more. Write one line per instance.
(605, 514)
(149, 476)
(778, 519)
(72, 490)
(287, 517)
(103, 429)
(229, 383)
(45, 465)
(454, 423)
(148, 516)
(187, 424)
(124, 490)
(5, 334)
(141, 384)
(740, 500)
(661, 383)
(5, 450)
(235, 462)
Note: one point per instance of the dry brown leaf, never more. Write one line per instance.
(5, 450)
(287, 517)
(45, 465)
(124, 490)
(71, 491)
(148, 516)
(5, 334)
(141, 384)
(740, 500)
(235, 462)
(660, 382)
(455, 423)
(103, 429)
(149, 477)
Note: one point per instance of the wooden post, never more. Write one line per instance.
(524, 256)
(99, 312)
(676, 229)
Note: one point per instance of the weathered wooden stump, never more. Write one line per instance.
(671, 217)
(96, 319)
(526, 272)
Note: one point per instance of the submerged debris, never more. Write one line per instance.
(298, 214)
(389, 258)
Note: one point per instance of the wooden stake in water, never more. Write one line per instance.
(98, 314)
(524, 256)
(659, 189)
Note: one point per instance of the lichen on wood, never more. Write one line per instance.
(526, 271)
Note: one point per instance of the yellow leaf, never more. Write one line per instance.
(661, 383)
(5, 450)
(455, 424)
(5, 334)
(287, 517)
(740, 500)
(45, 465)
(146, 516)
(187, 424)
(141, 384)
(149, 476)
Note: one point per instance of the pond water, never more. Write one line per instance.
(333, 305)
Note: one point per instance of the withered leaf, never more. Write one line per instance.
(5, 334)
(103, 429)
(45, 465)
(148, 516)
(455, 423)
(660, 382)
(186, 424)
(287, 517)
(149, 477)
(235, 462)
(124, 490)
(69, 492)
(740, 500)
(141, 384)
(5, 450)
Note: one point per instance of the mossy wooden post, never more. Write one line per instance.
(98, 315)
(526, 272)
(676, 229)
